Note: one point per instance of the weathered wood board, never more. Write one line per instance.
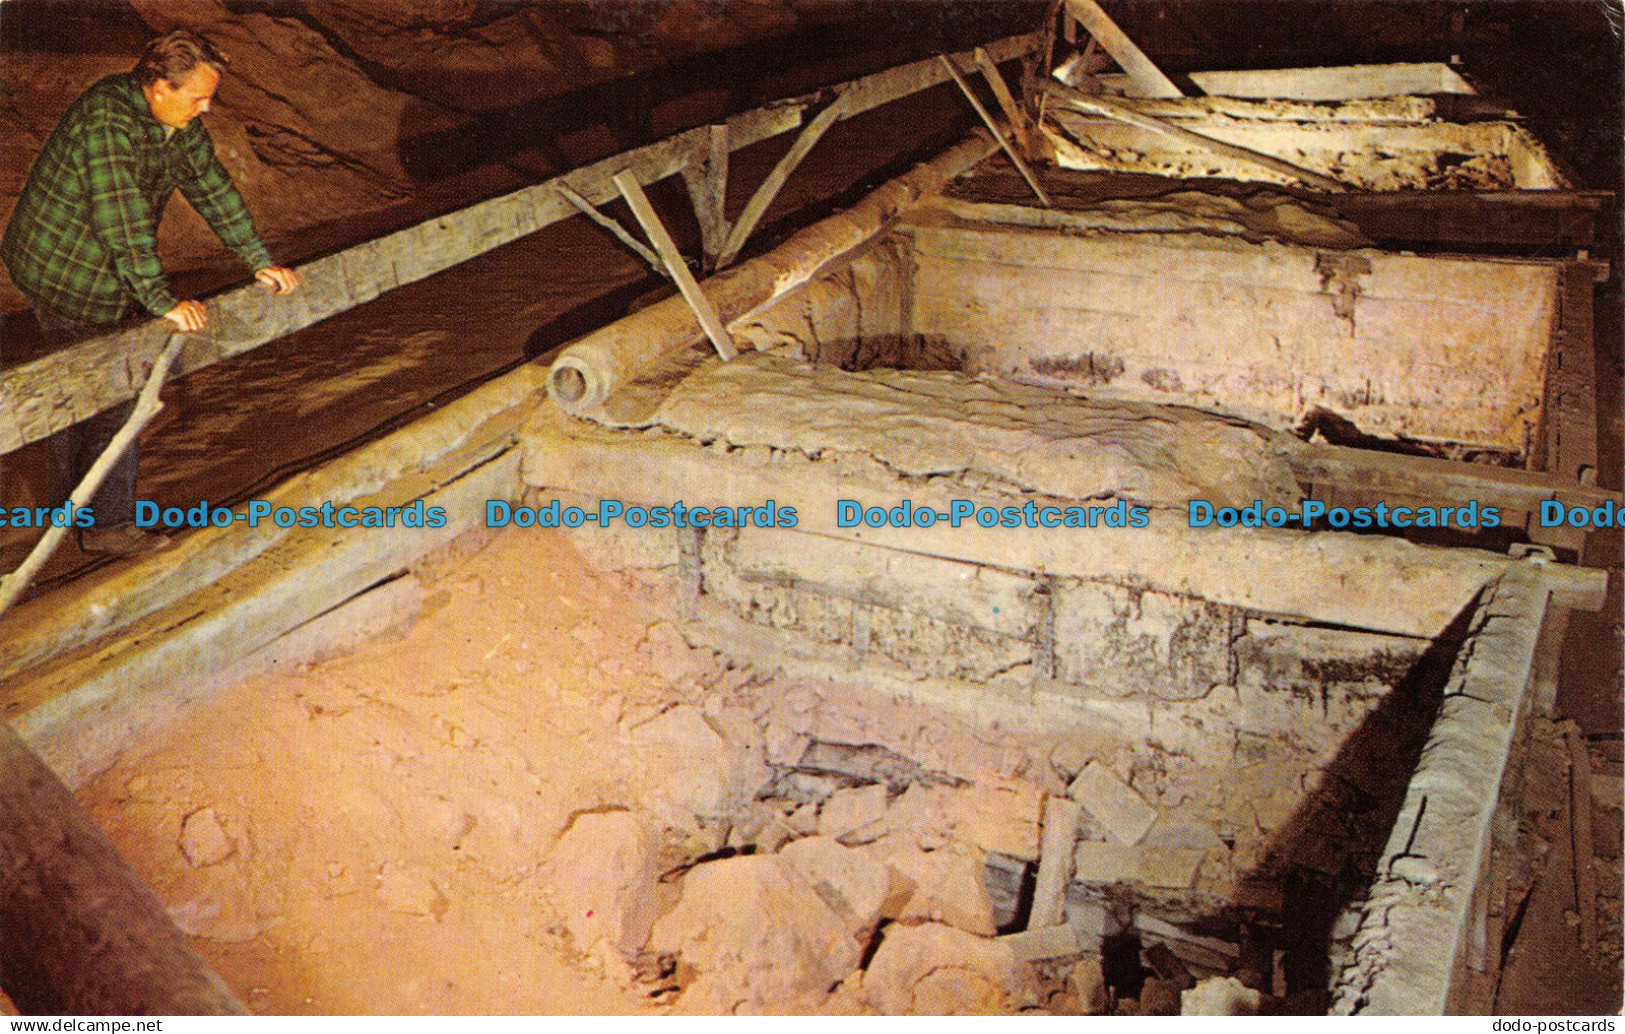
(1435, 348)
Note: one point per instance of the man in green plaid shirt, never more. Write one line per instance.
(82, 243)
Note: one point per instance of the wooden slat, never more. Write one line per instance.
(1001, 91)
(706, 176)
(769, 188)
(1570, 429)
(620, 232)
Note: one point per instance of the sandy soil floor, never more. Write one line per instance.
(367, 836)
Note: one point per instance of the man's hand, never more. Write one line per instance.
(189, 316)
(279, 277)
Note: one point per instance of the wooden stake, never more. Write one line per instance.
(588, 209)
(757, 206)
(992, 127)
(1144, 73)
(1585, 879)
(632, 190)
(1001, 91)
(146, 407)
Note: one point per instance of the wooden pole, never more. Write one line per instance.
(1001, 91)
(992, 127)
(1120, 113)
(706, 176)
(1060, 838)
(146, 407)
(710, 321)
(80, 933)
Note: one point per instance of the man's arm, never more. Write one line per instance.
(209, 190)
(121, 217)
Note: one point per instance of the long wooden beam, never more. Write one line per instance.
(42, 397)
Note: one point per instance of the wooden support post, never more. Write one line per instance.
(588, 209)
(706, 176)
(757, 206)
(83, 934)
(992, 127)
(632, 190)
(1001, 90)
(1144, 73)
(1121, 113)
(1060, 836)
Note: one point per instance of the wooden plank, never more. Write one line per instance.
(42, 397)
(1060, 834)
(706, 176)
(465, 433)
(1309, 577)
(704, 311)
(769, 188)
(1001, 91)
(79, 712)
(1146, 76)
(83, 934)
(1335, 83)
(992, 127)
(1585, 875)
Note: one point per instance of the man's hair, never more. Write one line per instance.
(174, 56)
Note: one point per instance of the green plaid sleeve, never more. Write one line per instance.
(211, 192)
(120, 216)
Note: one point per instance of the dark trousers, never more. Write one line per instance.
(73, 449)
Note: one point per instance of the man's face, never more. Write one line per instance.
(177, 103)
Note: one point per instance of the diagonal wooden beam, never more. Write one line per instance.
(715, 329)
(992, 127)
(588, 209)
(758, 204)
(1144, 73)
